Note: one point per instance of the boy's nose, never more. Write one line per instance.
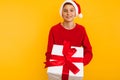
(68, 12)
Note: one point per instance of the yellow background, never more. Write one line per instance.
(24, 27)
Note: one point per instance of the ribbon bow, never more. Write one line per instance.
(65, 60)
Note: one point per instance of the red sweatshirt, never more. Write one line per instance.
(77, 37)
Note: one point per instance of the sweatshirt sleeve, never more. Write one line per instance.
(87, 49)
(50, 45)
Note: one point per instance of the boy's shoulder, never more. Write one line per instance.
(56, 26)
(79, 26)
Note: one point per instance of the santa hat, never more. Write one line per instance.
(75, 4)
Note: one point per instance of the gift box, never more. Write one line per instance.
(62, 68)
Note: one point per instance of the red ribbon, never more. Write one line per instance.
(65, 60)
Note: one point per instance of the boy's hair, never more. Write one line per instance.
(67, 3)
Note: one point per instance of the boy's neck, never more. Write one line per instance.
(68, 25)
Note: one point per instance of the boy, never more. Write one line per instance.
(70, 31)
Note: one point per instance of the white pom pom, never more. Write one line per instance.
(80, 15)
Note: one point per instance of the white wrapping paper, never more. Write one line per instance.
(55, 72)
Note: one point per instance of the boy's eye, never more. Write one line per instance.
(71, 10)
(65, 10)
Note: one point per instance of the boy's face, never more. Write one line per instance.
(68, 13)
